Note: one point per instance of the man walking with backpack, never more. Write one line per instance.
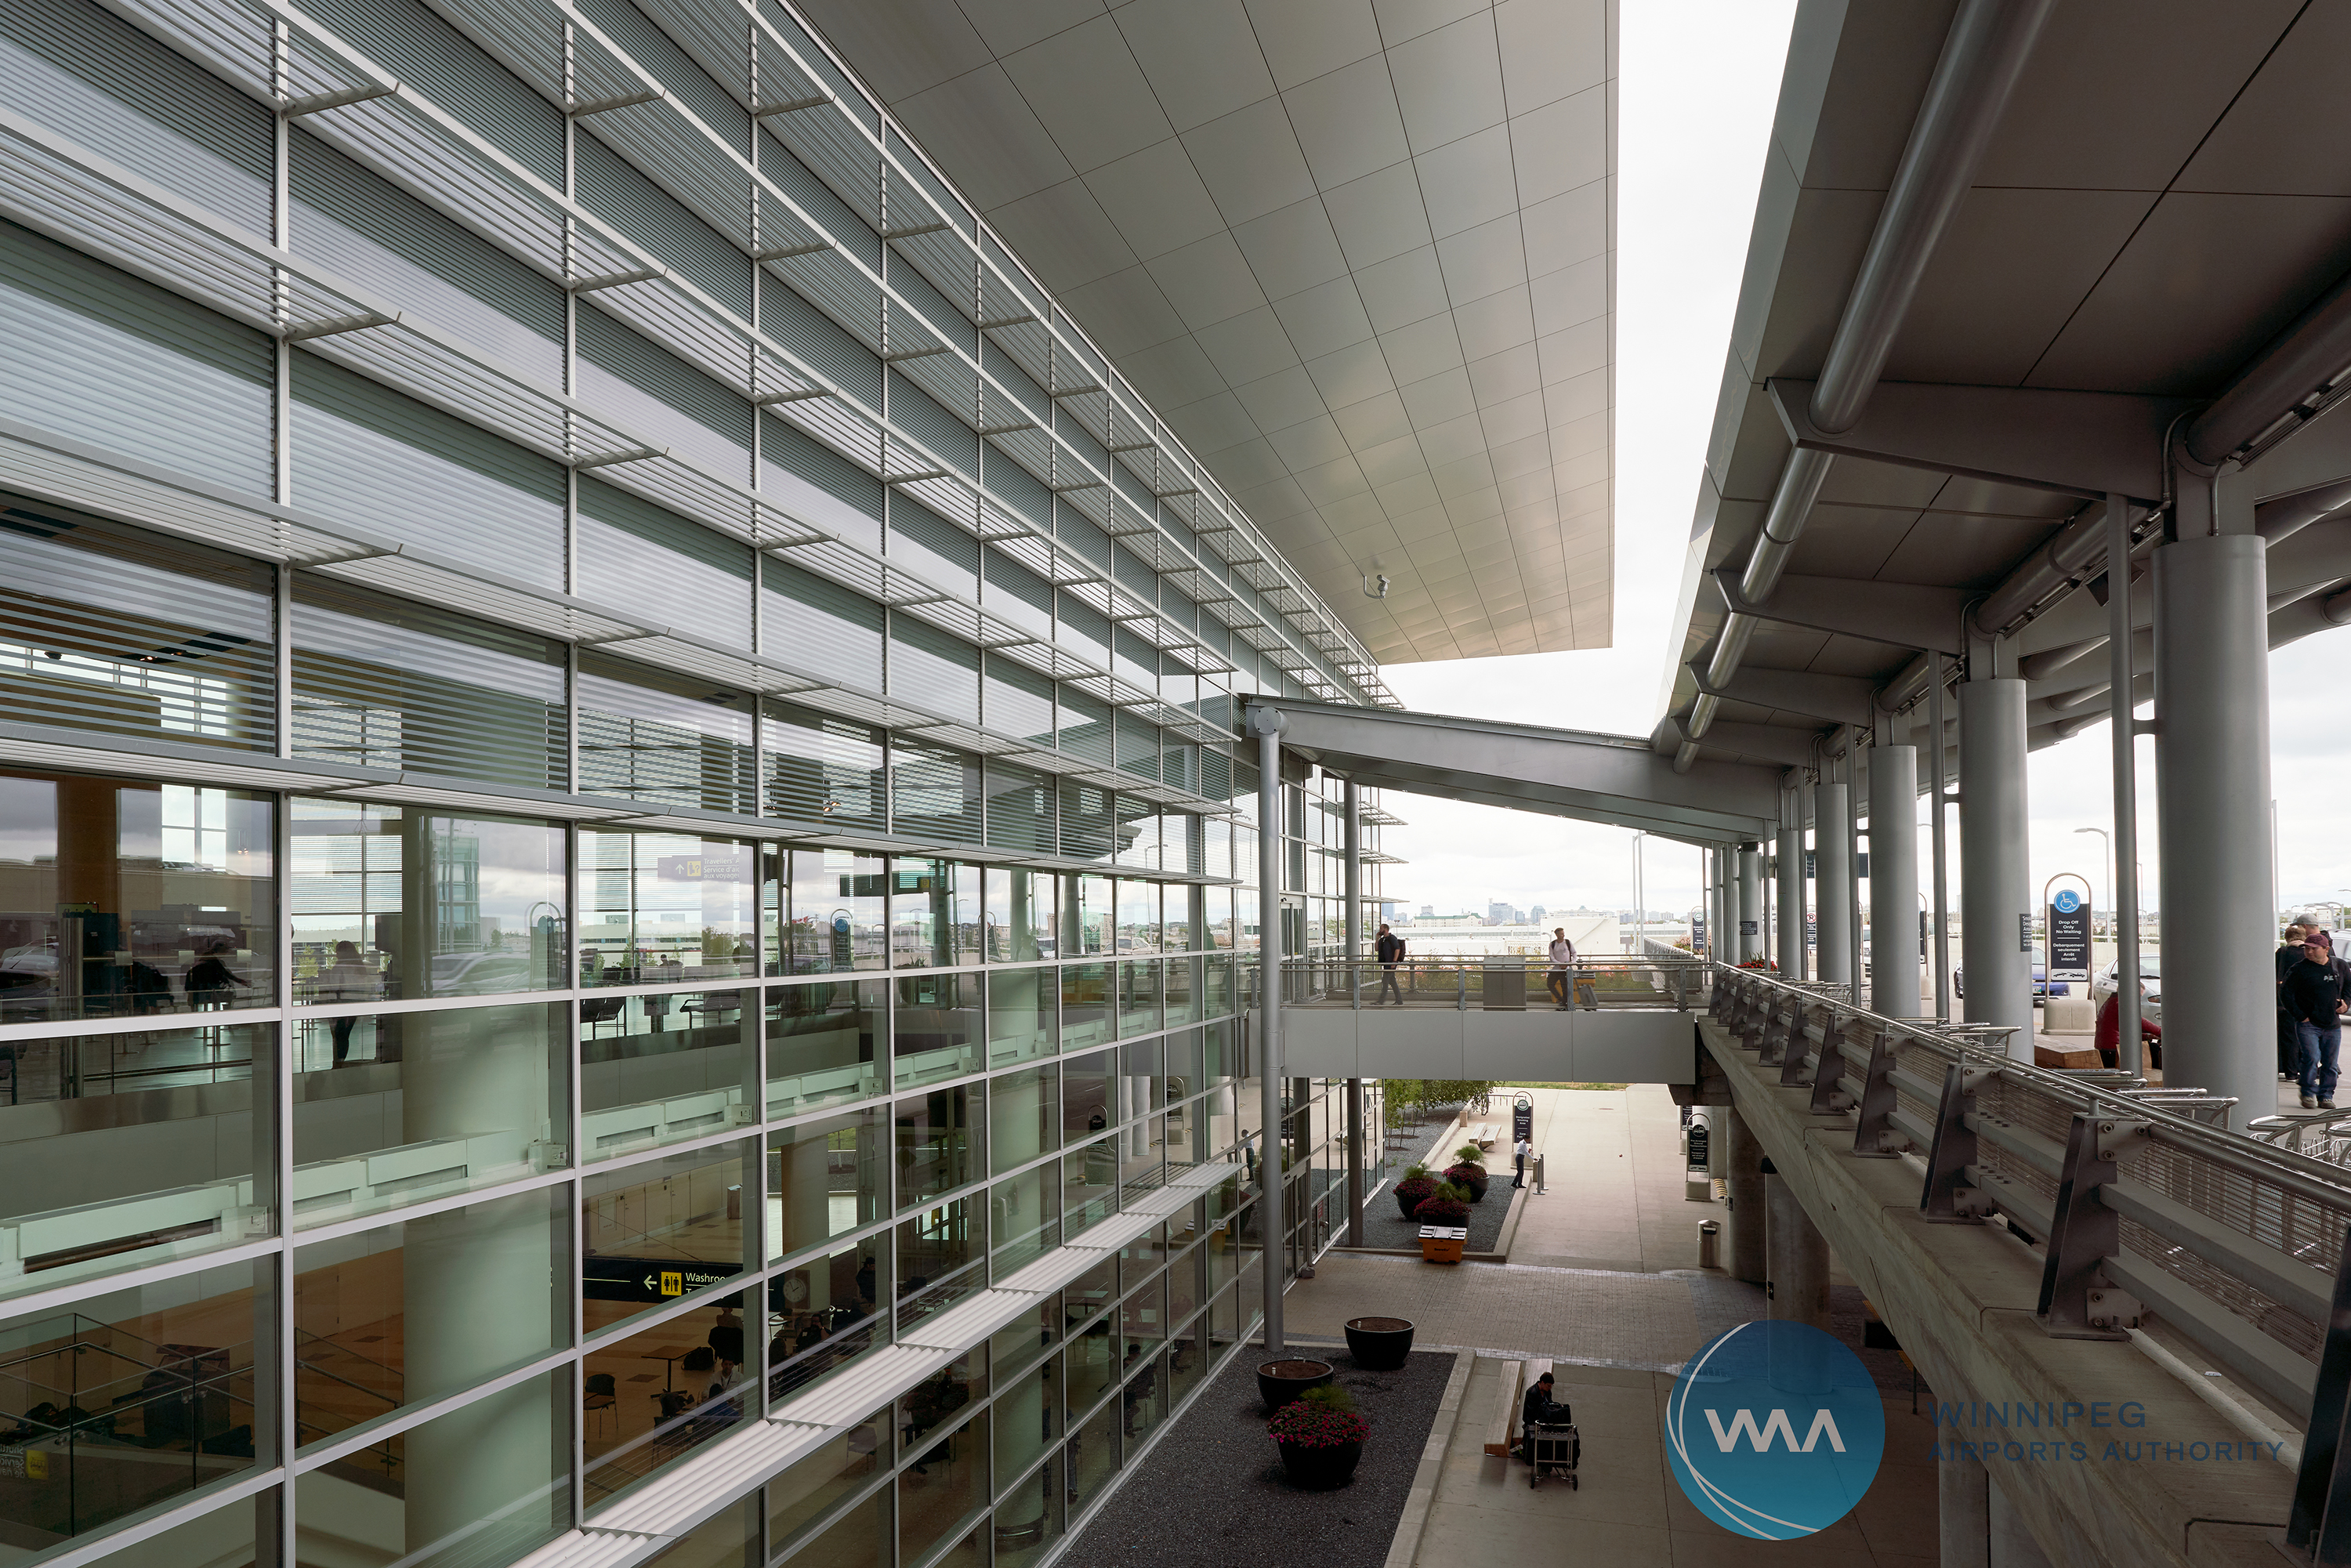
(1389, 949)
(1563, 965)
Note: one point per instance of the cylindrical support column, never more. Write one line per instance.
(1963, 1496)
(1750, 902)
(1351, 833)
(1796, 1258)
(2011, 1542)
(1267, 723)
(1743, 1176)
(1894, 881)
(1935, 821)
(1354, 1162)
(1726, 904)
(1833, 881)
(1995, 874)
(1790, 955)
(2213, 816)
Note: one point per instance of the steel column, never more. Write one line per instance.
(1791, 955)
(1750, 902)
(1941, 806)
(1354, 1162)
(1995, 876)
(1894, 881)
(1352, 801)
(1267, 723)
(2124, 714)
(2213, 821)
(1833, 881)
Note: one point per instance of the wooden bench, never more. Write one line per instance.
(1503, 1432)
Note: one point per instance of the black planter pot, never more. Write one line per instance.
(1379, 1344)
(1320, 1468)
(1280, 1382)
(1406, 1202)
(1474, 1183)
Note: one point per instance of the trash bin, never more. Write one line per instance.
(1709, 1244)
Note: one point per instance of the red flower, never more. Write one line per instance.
(1311, 1426)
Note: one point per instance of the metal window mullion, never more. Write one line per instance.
(576, 1187)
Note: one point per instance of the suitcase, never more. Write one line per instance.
(1551, 1450)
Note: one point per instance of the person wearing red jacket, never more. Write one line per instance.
(2110, 1031)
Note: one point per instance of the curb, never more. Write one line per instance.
(1418, 1501)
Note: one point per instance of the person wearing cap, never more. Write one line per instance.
(2318, 993)
(2289, 1035)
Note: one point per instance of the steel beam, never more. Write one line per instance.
(1907, 614)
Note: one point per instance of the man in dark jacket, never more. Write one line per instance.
(2289, 1034)
(1390, 951)
(2317, 992)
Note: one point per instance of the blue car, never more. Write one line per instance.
(2041, 985)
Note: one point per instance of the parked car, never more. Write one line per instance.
(2150, 976)
(2041, 985)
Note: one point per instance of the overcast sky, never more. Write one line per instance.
(1699, 84)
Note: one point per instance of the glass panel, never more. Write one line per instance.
(938, 1142)
(393, 902)
(822, 1315)
(1085, 1005)
(1019, 801)
(822, 768)
(922, 921)
(228, 1537)
(1027, 1416)
(1187, 1358)
(1184, 1286)
(1028, 1517)
(1021, 1015)
(1025, 1118)
(132, 1399)
(1138, 915)
(654, 736)
(836, 916)
(1024, 1216)
(1138, 995)
(1143, 1401)
(395, 1316)
(484, 1483)
(728, 1539)
(427, 1104)
(824, 1180)
(661, 1069)
(934, 793)
(635, 1427)
(1085, 1096)
(938, 1250)
(1181, 978)
(660, 1230)
(1020, 910)
(1092, 1363)
(948, 1481)
(937, 1029)
(663, 908)
(861, 1539)
(1019, 1343)
(1088, 1183)
(1091, 915)
(814, 1485)
(822, 1043)
(122, 1150)
(121, 899)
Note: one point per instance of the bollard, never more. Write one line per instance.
(1538, 1164)
(1709, 1244)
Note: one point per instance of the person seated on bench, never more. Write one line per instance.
(1540, 1409)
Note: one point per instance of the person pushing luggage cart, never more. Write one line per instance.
(1547, 1439)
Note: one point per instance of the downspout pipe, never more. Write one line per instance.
(1983, 56)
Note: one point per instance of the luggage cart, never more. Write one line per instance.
(1551, 1450)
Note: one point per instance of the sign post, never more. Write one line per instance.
(2068, 932)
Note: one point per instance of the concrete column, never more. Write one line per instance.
(1894, 881)
(1796, 1258)
(1995, 871)
(1833, 881)
(1963, 1493)
(2212, 815)
(1726, 904)
(1750, 902)
(1743, 1168)
(1791, 955)
(1354, 1162)
(2010, 1543)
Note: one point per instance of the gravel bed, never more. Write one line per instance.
(1212, 1494)
(1383, 1226)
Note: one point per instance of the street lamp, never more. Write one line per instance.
(2108, 855)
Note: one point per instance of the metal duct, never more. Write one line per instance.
(2337, 608)
(1983, 55)
(2299, 362)
(2283, 516)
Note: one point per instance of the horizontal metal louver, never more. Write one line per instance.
(670, 66)
(94, 78)
(820, 201)
(103, 357)
(655, 564)
(110, 628)
(1022, 492)
(818, 626)
(822, 768)
(382, 238)
(651, 735)
(1017, 594)
(935, 792)
(452, 488)
(1016, 700)
(453, 72)
(384, 682)
(817, 341)
(920, 416)
(612, 189)
(1019, 809)
(1085, 726)
(1086, 821)
(930, 547)
(934, 670)
(1138, 746)
(642, 386)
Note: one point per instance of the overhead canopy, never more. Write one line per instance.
(1613, 778)
(2141, 227)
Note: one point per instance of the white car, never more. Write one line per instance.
(2150, 980)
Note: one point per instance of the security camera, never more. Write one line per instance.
(1376, 585)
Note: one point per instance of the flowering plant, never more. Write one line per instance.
(1324, 1418)
(1449, 1204)
(1416, 1190)
(1760, 964)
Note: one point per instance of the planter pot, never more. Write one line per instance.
(1408, 1201)
(1379, 1344)
(1442, 1243)
(1475, 1180)
(1317, 1468)
(1280, 1382)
